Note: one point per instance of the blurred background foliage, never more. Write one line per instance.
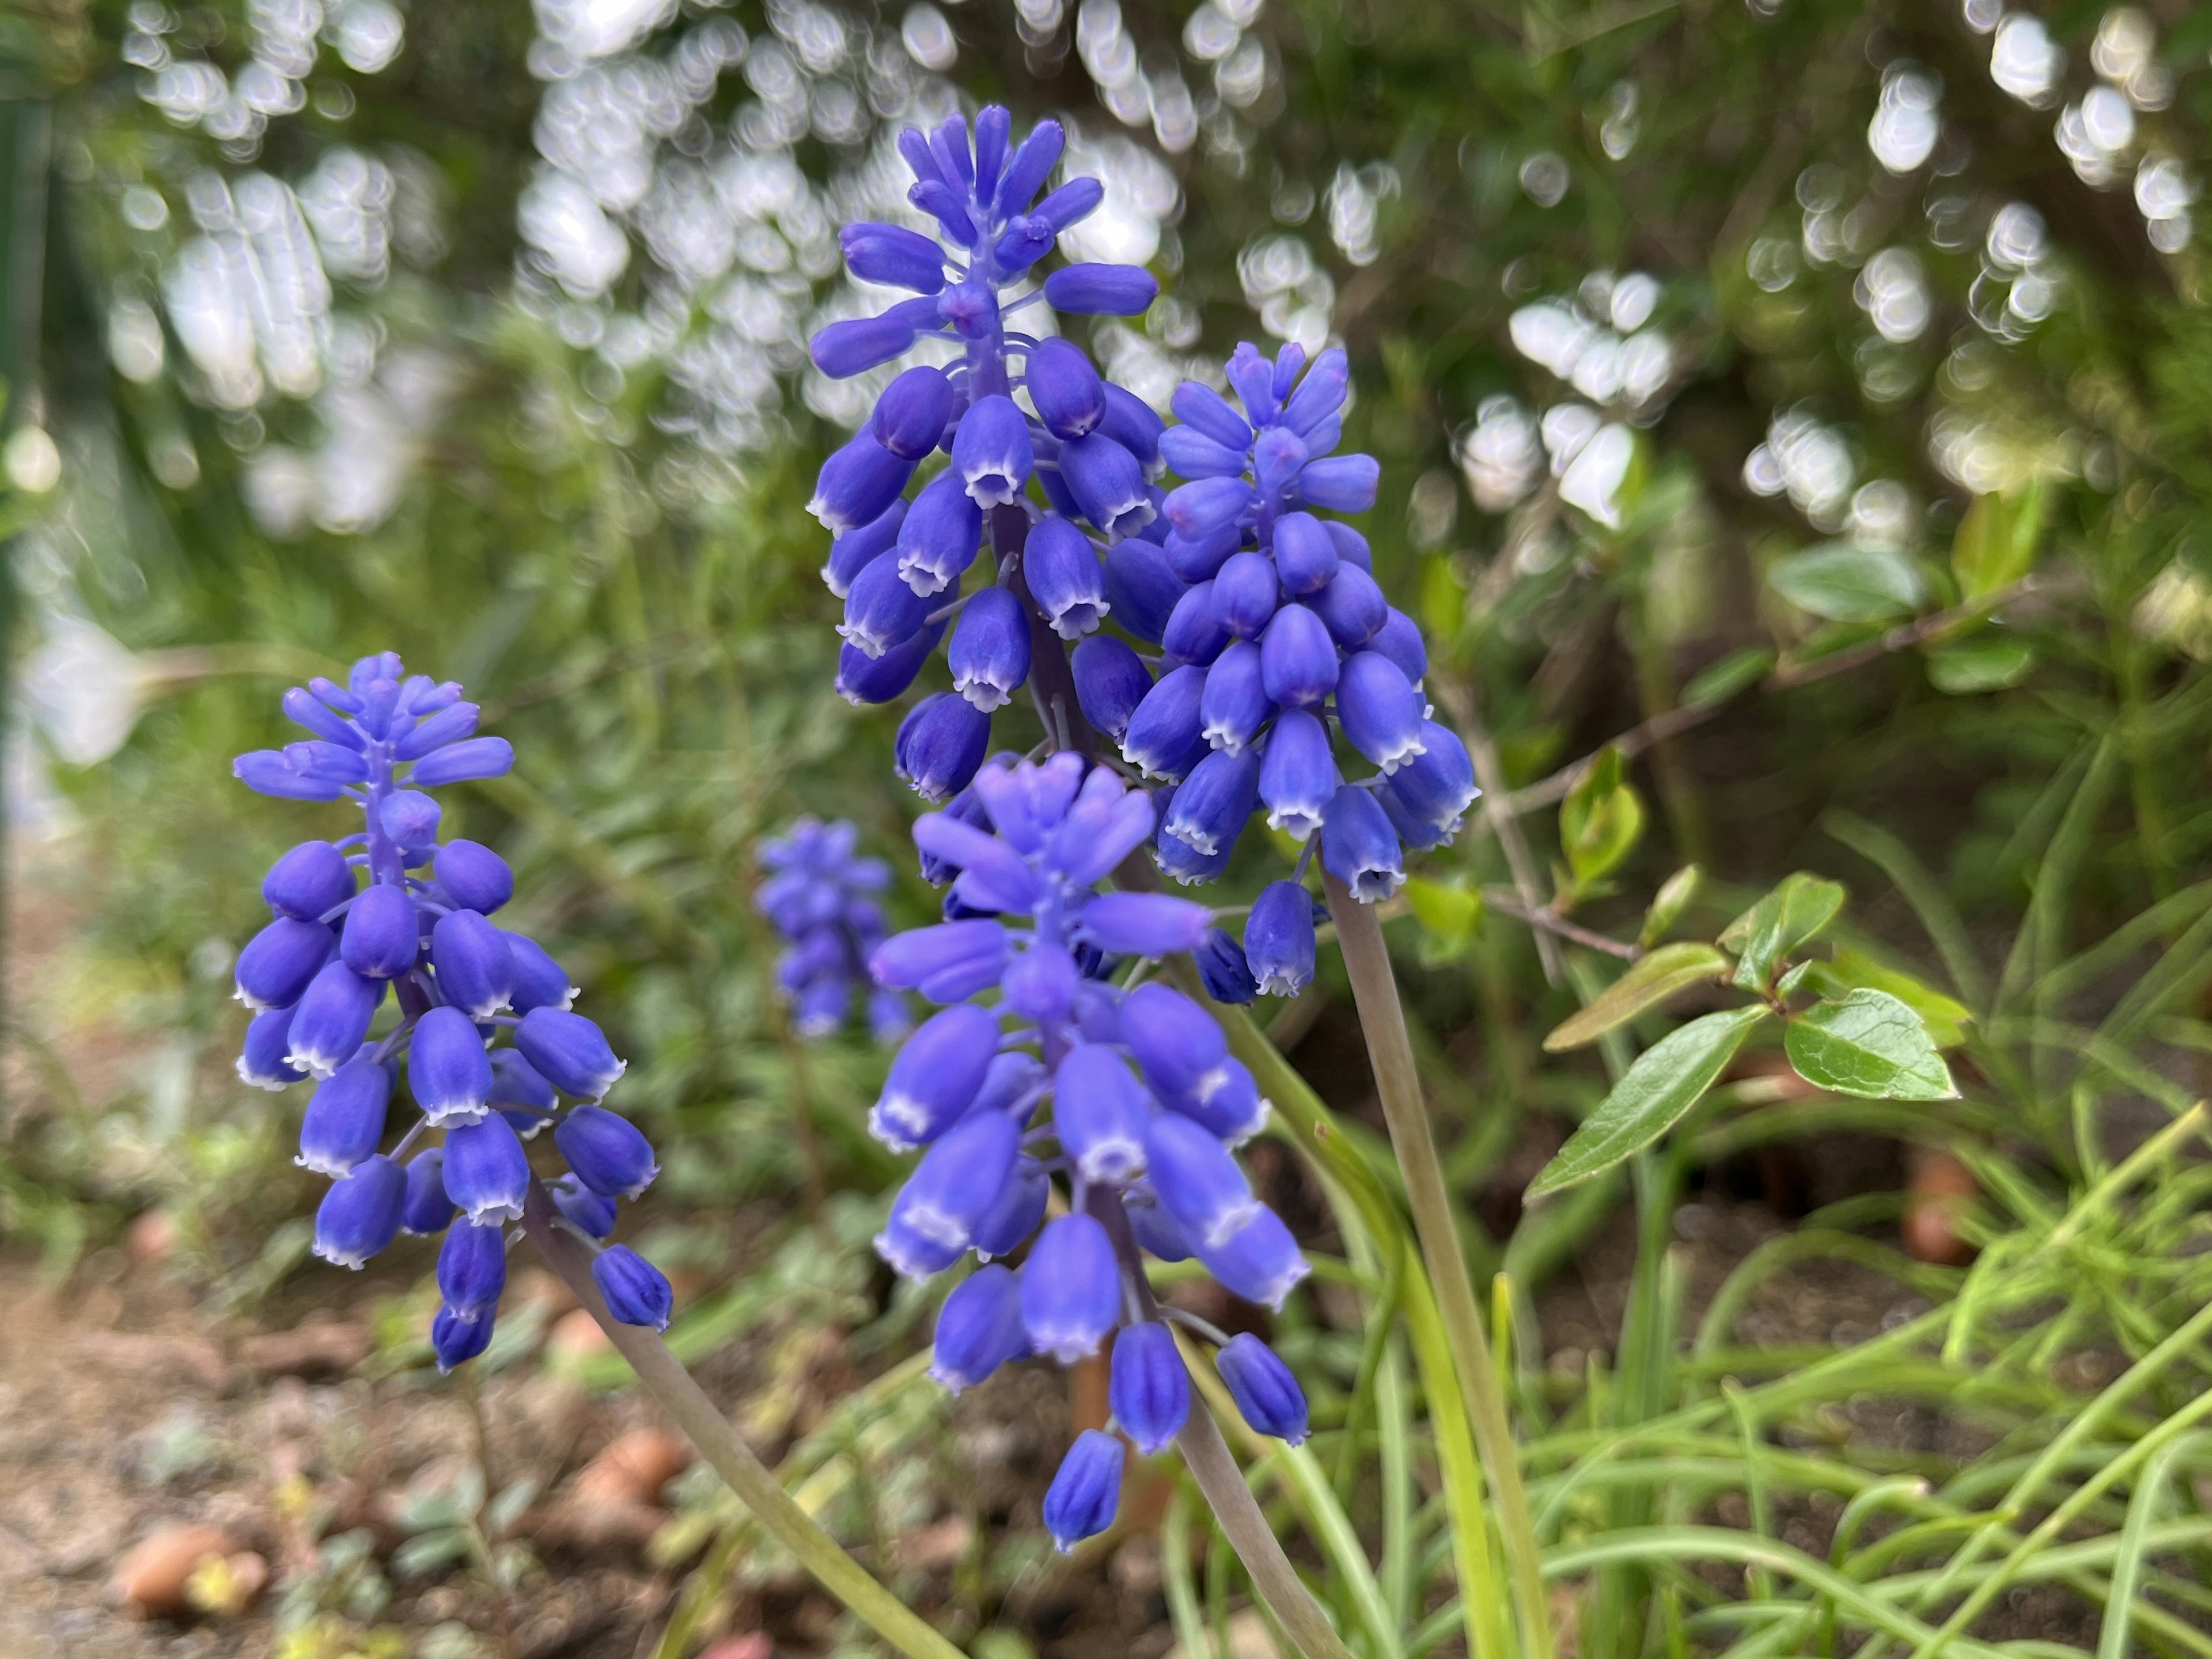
(1821, 391)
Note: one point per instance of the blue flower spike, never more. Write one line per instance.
(482, 1032)
(820, 897)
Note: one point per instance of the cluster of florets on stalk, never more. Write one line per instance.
(1052, 1065)
(818, 898)
(1091, 448)
(1273, 632)
(418, 931)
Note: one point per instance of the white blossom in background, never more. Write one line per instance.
(2165, 192)
(1599, 342)
(1881, 516)
(1894, 293)
(1592, 480)
(1142, 199)
(2025, 61)
(1905, 124)
(1545, 177)
(1500, 455)
(1354, 196)
(1809, 462)
(1284, 283)
(2125, 53)
(84, 688)
(1623, 124)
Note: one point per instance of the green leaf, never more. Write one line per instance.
(1600, 819)
(1443, 598)
(1673, 897)
(1767, 933)
(1871, 1044)
(1849, 970)
(1988, 661)
(1844, 583)
(1667, 1080)
(1995, 542)
(1718, 681)
(1449, 914)
(1647, 983)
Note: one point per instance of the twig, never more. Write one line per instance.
(1501, 818)
(1501, 809)
(1506, 901)
(707, 1429)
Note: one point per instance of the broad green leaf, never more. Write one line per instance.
(1850, 971)
(1871, 1044)
(1448, 915)
(1673, 897)
(1767, 933)
(1667, 1080)
(1995, 542)
(1988, 661)
(1720, 680)
(1844, 583)
(1648, 983)
(1601, 820)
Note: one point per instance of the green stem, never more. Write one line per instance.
(707, 1429)
(1375, 992)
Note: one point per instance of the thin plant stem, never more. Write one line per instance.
(1374, 993)
(758, 1489)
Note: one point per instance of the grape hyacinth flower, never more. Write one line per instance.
(391, 914)
(1090, 449)
(1047, 1067)
(818, 898)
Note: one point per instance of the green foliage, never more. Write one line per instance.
(1871, 1044)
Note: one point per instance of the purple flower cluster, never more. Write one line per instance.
(1042, 1069)
(318, 976)
(1275, 632)
(1091, 447)
(817, 898)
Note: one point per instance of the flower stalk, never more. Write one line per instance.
(1375, 992)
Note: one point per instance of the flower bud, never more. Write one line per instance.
(1195, 632)
(1233, 705)
(881, 610)
(1400, 640)
(588, 1211)
(1246, 594)
(277, 773)
(1086, 1492)
(1211, 807)
(1144, 925)
(893, 256)
(1261, 1262)
(1184, 864)
(1277, 457)
(261, 1062)
(383, 932)
(569, 1051)
(515, 1082)
(447, 1069)
(455, 1339)
(941, 744)
(1380, 711)
(938, 539)
(1108, 483)
(1133, 424)
(280, 961)
(1070, 397)
(1040, 983)
(1155, 1230)
(970, 954)
(862, 680)
(1206, 506)
(1223, 969)
(636, 1291)
(308, 882)
(345, 1122)
(990, 653)
(858, 548)
(1064, 577)
(853, 347)
(1109, 682)
(1298, 657)
(1341, 483)
(1351, 606)
(475, 969)
(487, 1173)
(539, 981)
(1359, 847)
(331, 1019)
(992, 455)
(1227, 1104)
(472, 1268)
(1012, 1084)
(915, 1255)
(1098, 1012)
(607, 1152)
(1437, 787)
(411, 818)
(1191, 453)
(1176, 1041)
(458, 763)
(1142, 587)
(434, 731)
(1148, 1388)
(1197, 1181)
(474, 877)
(1031, 164)
(1163, 736)
(1014, 1214)
(360, 1214)
(1264, 1391)
(302, 707)
(978, 1329)
(1100, 290)
(937, 1075)
(1070, 1288)
(1297, 774)
(426, 1210)
(1252, 377)
(1321, 393)
(1279, 940)
(1304, 555)
(911, 416)
(1100, 1111)
(1194, 561)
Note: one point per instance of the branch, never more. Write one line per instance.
(1506, 902)
(1499, 815)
